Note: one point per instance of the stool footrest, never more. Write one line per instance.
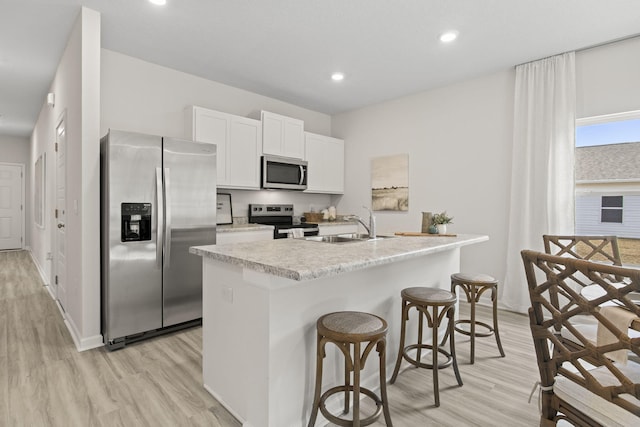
(346, 422)
(478, 334)
(420, 364)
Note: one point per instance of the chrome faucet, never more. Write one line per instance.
(371, 228)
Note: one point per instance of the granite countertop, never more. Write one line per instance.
(227, 228)
(300, 260)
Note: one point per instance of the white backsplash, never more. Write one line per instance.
(302, 202)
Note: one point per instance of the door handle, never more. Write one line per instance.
(60, 225)
(167, 220)
(159, 218)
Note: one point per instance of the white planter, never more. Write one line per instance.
(442, 228)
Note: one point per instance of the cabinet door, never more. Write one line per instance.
(243, 151)
(325, 156)
(213, 127)
(282, 136)
(293, 141)
(243, 236)
(272, 133)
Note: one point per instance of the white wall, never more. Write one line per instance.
(143, 97)
(76, 88)
(459, 143)
(14, 149)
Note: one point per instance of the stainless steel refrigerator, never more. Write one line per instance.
(158, 199)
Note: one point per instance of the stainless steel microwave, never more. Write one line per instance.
(284, 173)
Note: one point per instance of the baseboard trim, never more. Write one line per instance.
(227, 407)
(82, 344)
(45, 280)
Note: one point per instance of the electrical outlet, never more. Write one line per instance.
(49, 256)
(227, 294)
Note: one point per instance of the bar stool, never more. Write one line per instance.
(442, 303)
(474, 285)
(344, 329)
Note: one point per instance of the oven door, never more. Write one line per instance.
(284, 173)
(294, 232)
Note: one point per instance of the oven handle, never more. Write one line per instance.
(308, 231)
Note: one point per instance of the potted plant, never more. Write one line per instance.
(440, 220)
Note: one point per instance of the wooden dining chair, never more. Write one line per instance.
(597, 248)
(571, 388)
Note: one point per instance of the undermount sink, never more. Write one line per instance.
(344, 238)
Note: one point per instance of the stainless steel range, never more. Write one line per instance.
(281, 217)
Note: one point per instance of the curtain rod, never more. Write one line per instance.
(621, 39)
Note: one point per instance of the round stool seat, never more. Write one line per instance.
(351, 326)
(475, 278)
(431, 296)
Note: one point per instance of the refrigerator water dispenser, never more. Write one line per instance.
(135, 222)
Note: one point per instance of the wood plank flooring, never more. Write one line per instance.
(44, 381)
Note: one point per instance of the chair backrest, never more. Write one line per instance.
(592, 248)
(549, 275)
(602, 249)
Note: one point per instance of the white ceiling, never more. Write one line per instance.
(287, 49)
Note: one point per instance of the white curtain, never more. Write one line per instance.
(542, 174)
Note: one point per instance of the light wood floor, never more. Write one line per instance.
(44, 381)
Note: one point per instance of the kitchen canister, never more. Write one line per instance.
(332, 213)
(426, 221)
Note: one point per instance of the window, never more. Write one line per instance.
(611, 209)
(608, 180)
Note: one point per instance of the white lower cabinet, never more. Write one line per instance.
(325, 170)
(243, 236)
(239, 142)
(329, 229)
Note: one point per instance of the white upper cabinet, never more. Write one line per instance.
(239, 142)
(282, 136)
(325, 170)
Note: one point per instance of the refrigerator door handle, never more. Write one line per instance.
(160, 217)
(167, 199)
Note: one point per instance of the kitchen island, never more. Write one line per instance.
(261, 301)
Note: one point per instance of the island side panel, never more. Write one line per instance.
(235, 339)
(292, 327)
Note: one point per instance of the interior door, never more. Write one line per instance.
(11, 206)
(60, 217)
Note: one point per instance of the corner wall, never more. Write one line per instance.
(76, 88)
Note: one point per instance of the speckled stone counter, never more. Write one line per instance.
(300, 260)
(230, 228)
(261, 301)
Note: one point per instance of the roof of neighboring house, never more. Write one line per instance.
(608, 162)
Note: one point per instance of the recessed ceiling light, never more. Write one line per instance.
(336, 77)
(159, 2)
(449, 36)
